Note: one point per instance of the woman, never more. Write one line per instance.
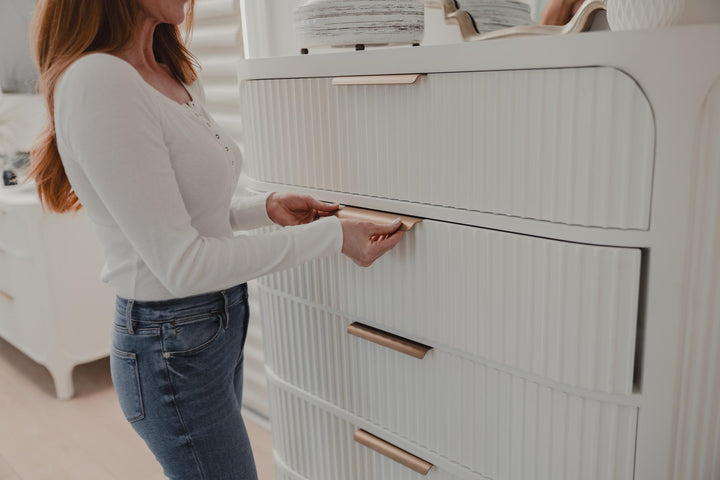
(130, 140)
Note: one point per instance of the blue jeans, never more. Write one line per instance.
(177, 367)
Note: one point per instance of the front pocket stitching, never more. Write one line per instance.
(140, 331)
(192, 318)
(203, 346)
(135, 368)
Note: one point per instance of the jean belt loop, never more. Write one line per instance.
(128, 316)
(227, 310)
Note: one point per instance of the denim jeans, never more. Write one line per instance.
(177, 367)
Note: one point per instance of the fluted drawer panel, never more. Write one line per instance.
(574, 145)
(495, 421)
(318, 445)
(564, 311)
(697, 451)
(283, 472)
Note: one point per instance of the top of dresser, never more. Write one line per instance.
(20, 195)
(638, 53)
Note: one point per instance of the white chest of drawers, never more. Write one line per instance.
(564, 277)
(53, 307)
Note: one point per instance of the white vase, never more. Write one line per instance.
(643, 14)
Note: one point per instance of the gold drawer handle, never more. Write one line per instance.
(3, 212)
(378, 80)
(6, 296)
(391, 451)
(400, 344)
(376, 217)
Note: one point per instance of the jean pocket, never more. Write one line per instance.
(126, 378)
(182, 338)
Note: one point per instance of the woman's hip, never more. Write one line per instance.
(174, 367)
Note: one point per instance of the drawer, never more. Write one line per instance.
(14, 230)
(312, 443)
(25, 316)
(16, 273)
(562, 311)
(573, 145)
(8, 317)
(495, 421)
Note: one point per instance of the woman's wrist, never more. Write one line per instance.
(270, 205)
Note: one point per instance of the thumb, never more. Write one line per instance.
(387, 229)
(322, 206)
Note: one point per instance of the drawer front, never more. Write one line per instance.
(312, 443)
(562, 311)
(573, 146)
(22, 291)
(14, 228)
(8, 317)
(16, 274)
(495, 421)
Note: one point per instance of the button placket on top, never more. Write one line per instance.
(202, 118)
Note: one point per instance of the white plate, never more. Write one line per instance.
(333, 22)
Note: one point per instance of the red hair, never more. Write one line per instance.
(62, 32)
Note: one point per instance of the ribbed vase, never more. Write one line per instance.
(643, 14)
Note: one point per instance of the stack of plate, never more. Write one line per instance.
(352, 22)
(491, 15)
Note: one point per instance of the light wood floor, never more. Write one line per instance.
(86, 438)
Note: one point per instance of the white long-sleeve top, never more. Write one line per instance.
(157, 179)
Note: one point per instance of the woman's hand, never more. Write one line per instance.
(559, 12)
(287, 209)
(365, 242)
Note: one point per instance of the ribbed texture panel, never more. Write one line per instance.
(574, 145)
(490, 420)
(317, 445)
(563, 311)
(698, 444)
(283, 472)
(254, 383)
(217, 42)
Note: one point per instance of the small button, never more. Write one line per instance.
(217, 136)
(227, 149)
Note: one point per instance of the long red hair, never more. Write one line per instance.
(62, 32)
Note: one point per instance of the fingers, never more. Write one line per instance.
(389, 241)
(365, 242)
(386, 229)
(321, 213)
(322, 207)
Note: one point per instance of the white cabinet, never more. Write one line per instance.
(53, 306)
(560, 293)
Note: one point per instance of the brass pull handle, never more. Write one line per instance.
(376, 217)
(6, 296)
(399, 344)
(2, 212)
(378, 79)
(391, 451)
